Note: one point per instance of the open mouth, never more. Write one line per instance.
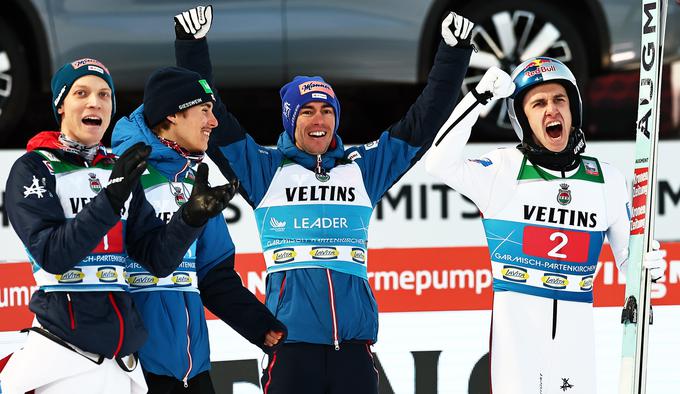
(554, 129)
(317, 134)
(92, 121)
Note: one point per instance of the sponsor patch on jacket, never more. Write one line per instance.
(49, 166)
(591, 167)
(358, 255)
(586, 283)
(515, 274)
(554, 281)
(107, 274)
(371, 145)
(324, 253)
(74, 275)
(181, 279)
(354, 155)
(142, 280)
(284, 255)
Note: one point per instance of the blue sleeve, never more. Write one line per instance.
(213, 246)
(222, 292)
(384, 161)
(37, 216)
(149, 241)
(231, 148)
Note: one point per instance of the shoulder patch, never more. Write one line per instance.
(591, 167)
(48, 164)
(371, 145)
(36, 188)
(485, 161)
(48, 155)
(353, 156)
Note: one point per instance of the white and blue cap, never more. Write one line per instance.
(534, 72)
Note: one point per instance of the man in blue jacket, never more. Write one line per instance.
(176, 120)
(80, 213)
(313, 201)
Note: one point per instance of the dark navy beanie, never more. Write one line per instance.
(300, 91)
(64, 77)
(171, 90)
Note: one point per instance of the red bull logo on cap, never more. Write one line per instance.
(316, 86)
(537, 62)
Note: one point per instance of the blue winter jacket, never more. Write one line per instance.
(301, 298)
(102, 322)
(165, 312)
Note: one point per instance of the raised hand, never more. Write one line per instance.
(125, 174)
(495, 82)
(456, 30)
(194, 23)
(205, 201)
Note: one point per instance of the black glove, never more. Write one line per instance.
(193, 23)
(125, 174)
(205, 201)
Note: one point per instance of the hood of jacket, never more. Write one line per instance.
(50, 140)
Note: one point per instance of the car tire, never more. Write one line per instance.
(14, 81)
(524, 20)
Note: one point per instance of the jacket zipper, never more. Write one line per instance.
(71, 315)
(186, 376)
(121, 324)
(336, 342)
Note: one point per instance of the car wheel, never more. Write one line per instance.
(508, 32)
(14, 80)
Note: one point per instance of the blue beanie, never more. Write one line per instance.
(300, 91)
(64, 78)
(170, 90)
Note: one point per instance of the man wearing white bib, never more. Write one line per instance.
(546, 211)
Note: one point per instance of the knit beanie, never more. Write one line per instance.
(170, 90)
(300, 91)
(64, 78)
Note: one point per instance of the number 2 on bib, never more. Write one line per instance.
(556, 244)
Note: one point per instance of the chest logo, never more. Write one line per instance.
(180, 198)
(95, 184)
(564, 194)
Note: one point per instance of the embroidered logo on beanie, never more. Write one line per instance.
(173, 89)
(300, 91)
